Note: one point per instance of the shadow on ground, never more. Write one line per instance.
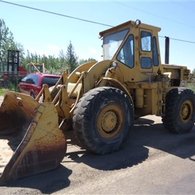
(145, 135)
(47, 183)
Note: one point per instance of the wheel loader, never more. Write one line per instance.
(98, 103)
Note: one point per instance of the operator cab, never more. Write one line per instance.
(134, 45)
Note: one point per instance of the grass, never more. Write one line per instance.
(3, 91)
(191, 86)
(9, 86)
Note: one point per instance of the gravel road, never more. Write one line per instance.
(152, 161)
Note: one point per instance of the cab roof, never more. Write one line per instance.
(129, 24)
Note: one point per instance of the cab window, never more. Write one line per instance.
(146, 62)
(146, 41)
(126, 54)
(112, 42)
(155, 53)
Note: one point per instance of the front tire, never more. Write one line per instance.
(102, 119)
(179, 110)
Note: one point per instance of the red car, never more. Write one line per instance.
(32, 83)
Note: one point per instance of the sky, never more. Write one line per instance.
(44, 33)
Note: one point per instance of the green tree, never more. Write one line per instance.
(62, 60)
(6, 39)
(71, 58)
(193, 72)
(83, 61)
(7, 43)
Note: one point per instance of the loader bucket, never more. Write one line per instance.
(15, 111)
(43, 146)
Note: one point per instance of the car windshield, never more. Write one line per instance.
(112, 42)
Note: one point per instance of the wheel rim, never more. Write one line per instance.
(186, 111)
(110, 121)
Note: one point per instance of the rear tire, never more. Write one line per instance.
(102, 119)
(179, 110)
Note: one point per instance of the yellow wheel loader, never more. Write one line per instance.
(98, 101)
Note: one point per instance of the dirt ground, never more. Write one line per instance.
(149, 147)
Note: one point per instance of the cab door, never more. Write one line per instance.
(149, 55)
(146, 50)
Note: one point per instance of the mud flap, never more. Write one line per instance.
(42, 147)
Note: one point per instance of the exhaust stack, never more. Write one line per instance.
(167, 46)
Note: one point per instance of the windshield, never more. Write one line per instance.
(112, 42)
